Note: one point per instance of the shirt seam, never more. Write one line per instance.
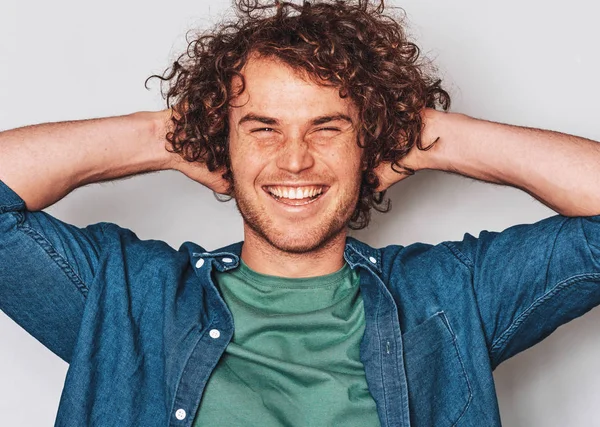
(470, 267)
(176, 395)
(499, 344)
(462, 365)
(381, 358)
(381, 364)
(58, 259)
(10, 207)
(588, 240)
(458, 254)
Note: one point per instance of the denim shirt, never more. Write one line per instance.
(143, 326)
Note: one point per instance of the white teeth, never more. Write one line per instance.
(295, 192)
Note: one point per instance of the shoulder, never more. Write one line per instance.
(420, 273)
(415, 258)
(126, 244)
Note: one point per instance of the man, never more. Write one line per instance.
(299, 325)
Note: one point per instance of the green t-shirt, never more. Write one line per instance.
(294, 356)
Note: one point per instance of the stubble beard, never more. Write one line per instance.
(317, 238)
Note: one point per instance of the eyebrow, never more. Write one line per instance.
(250, 117)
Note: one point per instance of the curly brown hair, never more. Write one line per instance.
(350, 45)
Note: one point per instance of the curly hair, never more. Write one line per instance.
(350, 45)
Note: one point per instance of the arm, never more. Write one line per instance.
(528, 279)
(562, 171)
(48, 267)
(44, 163)
(531, 278)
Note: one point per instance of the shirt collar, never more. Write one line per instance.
(360, 254)
(226, 258)
(223, 259)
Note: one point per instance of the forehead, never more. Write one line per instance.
(274, 89)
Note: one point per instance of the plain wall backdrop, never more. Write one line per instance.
(526, 62)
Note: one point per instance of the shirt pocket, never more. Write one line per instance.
(438, 386)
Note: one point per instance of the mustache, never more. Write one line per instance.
(291, 178)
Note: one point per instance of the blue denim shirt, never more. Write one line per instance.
(137, 320)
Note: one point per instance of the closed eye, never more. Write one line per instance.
(262, 130)
(269, 130)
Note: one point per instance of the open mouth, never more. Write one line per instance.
(296, 196)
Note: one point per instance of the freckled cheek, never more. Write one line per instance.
(345, 162)
(248, 166)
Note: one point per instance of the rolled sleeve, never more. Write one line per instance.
(46, 268)
(530, 279)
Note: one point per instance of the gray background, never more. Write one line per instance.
(532, 63)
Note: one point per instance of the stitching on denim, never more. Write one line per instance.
(56, 257)
(498, 344)
(381, 356)
(470, 267)
(462, 365)
(8, 208)
(397, 355)
(215, 255)
(589, 241)
(556, 235)
(202, 333)
(399, 365)
(459, 254)
(180, 378)
(364, 256)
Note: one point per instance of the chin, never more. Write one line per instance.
(300, 245)
(298, 235)
(298, 241)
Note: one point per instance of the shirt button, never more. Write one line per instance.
(372, 259)
(180, 414)
(227, 260)
(200, 263)
(214, 333)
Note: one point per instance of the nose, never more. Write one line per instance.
(294, 155)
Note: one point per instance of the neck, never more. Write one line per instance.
(263, 257)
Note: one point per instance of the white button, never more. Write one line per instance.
(227, 260)
(200, 263)
(214, 333)
(372, 259)
(180, 414)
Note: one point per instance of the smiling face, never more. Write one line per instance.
(294, 157)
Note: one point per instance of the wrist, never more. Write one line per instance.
(440, 127)
(157, 124)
